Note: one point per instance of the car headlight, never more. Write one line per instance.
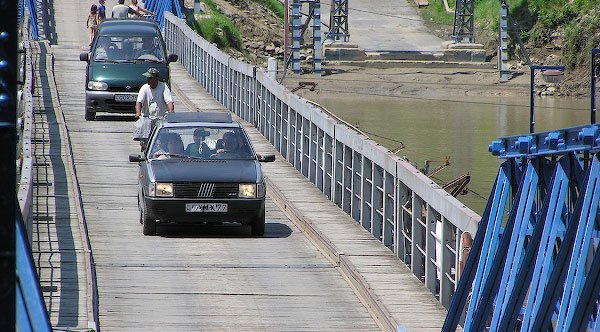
(247, 190)
(158, 189)
(97, 85)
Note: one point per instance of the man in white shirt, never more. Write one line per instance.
(154, 98)
(122, 11)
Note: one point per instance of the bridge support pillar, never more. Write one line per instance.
(296, 36)
(317, 53)
(503, 43)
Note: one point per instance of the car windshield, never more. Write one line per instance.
(200, 142)
(129, 49)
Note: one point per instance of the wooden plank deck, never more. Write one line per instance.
(187, 279)
(395, 295)
(57, 245)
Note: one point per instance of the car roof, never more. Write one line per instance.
(209, 119)
(213, 117)
(129, 27)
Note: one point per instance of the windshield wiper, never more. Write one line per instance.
(149, 60)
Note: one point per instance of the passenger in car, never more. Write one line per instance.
(231, 146)
(199, 148)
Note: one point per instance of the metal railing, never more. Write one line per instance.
(413, 216)
(25, 132)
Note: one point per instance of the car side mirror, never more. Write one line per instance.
(266, 158)
(136, 158)
(172, 58)
(84, 56)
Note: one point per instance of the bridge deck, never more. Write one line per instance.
(219, 279)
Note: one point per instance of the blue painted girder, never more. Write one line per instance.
(544, 259)
(488, 225)
(520, 214)
(31, 314)
(537, 258)
(566, 279)
(159, 7)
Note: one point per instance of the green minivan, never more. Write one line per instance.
(122, 50)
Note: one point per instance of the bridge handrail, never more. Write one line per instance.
(366, 180)
(25, 131)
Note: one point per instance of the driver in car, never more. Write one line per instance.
(148, 51)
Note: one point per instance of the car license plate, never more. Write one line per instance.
(206, 207)
(125, 98)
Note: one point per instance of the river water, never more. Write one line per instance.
(461, 130)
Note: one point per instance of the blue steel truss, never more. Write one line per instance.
(33, 19)
(160, 6)
(31, 314)
(534, 263)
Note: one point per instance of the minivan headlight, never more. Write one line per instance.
(97, 85)
(159, 189)
(247, 190)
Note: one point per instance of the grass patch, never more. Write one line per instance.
(580, 38)
(216, 28)
(274, 6)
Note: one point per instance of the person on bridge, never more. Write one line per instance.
(92, 22)
(153, 93)
(121, 11)
(139, 11)
(101, 10)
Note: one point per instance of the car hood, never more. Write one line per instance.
(123, 74)
(196, 170)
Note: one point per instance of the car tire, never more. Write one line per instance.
(258, 226)
(148, 223)
(90, 116)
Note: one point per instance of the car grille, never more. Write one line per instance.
(205, 190)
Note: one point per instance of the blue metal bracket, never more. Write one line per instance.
(557, 142)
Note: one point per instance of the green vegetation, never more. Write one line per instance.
(273, 5)
(580, 38)
(578, 20)
(216, 27)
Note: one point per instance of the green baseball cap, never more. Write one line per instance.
(152, 72)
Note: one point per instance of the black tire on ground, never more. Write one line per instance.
(90, 116)
(149, 224)
(258, 226)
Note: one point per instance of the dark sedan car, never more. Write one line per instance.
(201, 168)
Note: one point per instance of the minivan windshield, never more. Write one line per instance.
(129, 49)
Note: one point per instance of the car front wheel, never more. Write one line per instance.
(90, 116)
(149, 223)
(258, 226)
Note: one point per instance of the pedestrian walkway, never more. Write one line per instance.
(57, 245)
(387, 25)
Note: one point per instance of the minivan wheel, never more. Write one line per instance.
(149, 224)
(258, 226)
(90, 116)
